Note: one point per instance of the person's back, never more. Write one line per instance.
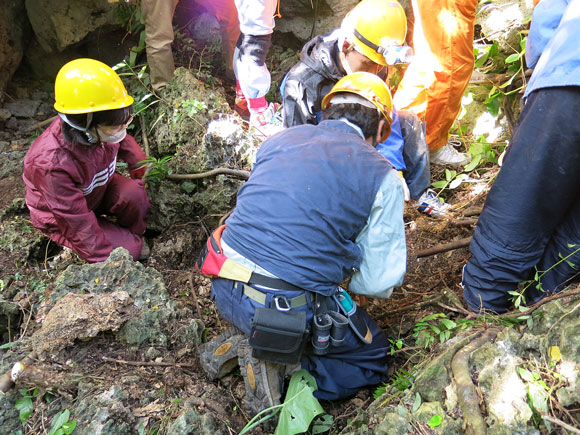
(309, 196)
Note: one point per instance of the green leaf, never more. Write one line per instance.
(322, 423)
(7, 345)
(416, 403)
(439, 184)
(57, 422)
(69, 427)
(402, 411)
(435, 421)
(300, 406)
(526, 375)
(493, 107)
(25, 406)
(512, 58)
(473, 164)
(538, 398)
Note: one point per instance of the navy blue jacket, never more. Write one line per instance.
(308, 197)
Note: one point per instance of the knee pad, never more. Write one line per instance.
(255, 47)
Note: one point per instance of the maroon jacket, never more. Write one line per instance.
(66, 183)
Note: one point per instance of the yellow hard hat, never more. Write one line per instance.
(87, 85)
(374, 26)
(366, 85)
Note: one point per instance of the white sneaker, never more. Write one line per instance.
(429, 203)
(266, 123)
(448, 155)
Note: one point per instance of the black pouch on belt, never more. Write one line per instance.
(278, 336)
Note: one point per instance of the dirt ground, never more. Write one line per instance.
(431, 286)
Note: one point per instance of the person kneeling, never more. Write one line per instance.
(321, 205)
(69, 170)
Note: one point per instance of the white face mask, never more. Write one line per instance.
(114, 138)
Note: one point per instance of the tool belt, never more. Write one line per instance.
(279, 332)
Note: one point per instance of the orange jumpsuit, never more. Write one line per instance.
(438, 76)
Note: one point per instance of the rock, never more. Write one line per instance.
(4, 114)
(23, 108)
(503, 21)
(80, 317)
(120, 273)
(9, 421)
(14, 35)
(169, 205)
(183, 120)
(496, 371)
(104, 413)
(56, 22)
(298, 17)
(21, 241)
(190, 422)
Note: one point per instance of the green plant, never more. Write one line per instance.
(481, 152)
(158, 169)
(130, 17)
(138, 85)
(490, 60)
(24, 405)
(541, 382)
(298, 410)
(518, 296)
(437, 327)
(61, 425)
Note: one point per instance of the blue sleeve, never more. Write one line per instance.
(545, 20)
(392, 148)
(382, 243)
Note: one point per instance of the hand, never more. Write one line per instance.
(139, 172)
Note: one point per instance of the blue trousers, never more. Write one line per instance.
(342, 371)
(531, 218)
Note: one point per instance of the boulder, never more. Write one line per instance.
(57, 24)
(14, 36)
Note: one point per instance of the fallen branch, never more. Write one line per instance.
(467, 396)
(146, 363)
(41, 123)
(559, 423)
(534, 307)
(444, 248)
(432, 300)
(235, 172)
(459, 222)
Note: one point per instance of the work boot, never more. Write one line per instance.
(264, 381)
(219, 356)
(447, 155)
(266, 122)
(429, 203)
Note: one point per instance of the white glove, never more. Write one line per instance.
(406, 192)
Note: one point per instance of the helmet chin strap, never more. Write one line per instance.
(344, 63)
(92, 138)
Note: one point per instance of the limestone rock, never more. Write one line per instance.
(57, 23)
(14, 35)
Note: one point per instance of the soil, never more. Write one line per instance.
(427, 279)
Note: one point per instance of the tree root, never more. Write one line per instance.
(444, 248)
(6, 381)
(234, 172)
(467, 396)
